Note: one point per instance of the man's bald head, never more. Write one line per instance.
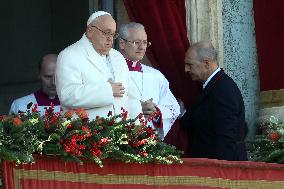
(205, 51)
(47, 66)
(201, 60)
(48, 58)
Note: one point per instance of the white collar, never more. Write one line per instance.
(210, 77)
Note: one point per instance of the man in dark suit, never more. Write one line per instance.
(216, 121)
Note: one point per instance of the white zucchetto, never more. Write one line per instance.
(95, 15)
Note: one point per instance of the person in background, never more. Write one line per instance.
(216, 121)
(44, 97)
(154, 92)
(90, 74)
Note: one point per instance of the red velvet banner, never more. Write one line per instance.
(269, 26)
(165, 24)
(49, 172)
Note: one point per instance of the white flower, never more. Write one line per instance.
(121, 139)
(123, 142)
(273, 119)
(123, 136)
(66, 123)
(33, 121)
(281, 131)
(151, 141)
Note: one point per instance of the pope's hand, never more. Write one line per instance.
(117, 89)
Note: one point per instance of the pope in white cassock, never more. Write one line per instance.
(153, 87)
(91, 75)
(44, 97)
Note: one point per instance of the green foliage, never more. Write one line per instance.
(76, 138)
(268, 145)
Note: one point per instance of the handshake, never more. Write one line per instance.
(148, 107)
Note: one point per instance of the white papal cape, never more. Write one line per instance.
(82, 81)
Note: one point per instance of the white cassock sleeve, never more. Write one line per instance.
(168, 106)
(134, 104)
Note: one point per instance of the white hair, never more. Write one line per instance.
(124, 29)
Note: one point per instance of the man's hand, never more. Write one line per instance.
(148, 107)
(117, 89)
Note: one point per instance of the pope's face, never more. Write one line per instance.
(101, 34)
(134, 47)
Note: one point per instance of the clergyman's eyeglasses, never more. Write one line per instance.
(138, 43)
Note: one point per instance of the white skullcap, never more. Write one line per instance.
(96, 15)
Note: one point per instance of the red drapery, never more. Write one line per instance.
(165, 24)
(269, 26)
(50, 172)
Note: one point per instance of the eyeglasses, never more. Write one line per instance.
(138, 43)
(107, 34)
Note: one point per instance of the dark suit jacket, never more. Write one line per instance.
(216, 122)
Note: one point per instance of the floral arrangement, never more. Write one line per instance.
(268, 145)
(75, 137)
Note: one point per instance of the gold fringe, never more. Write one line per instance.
(144, 179)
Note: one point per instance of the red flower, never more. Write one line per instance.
(103, 141)
(71, 144)
(87, 129)
(49, 110)
(275, 136)
(69, 126)
(111, 123)
(153, 136)
(46, 124)
(149, 130)
(109, 114)
(145, 154)
(3, 117)
(140, 143)
(96, 152)
(17, 121)
(21, 114)
(34, 108)
(124, 115)
(69, 114)
(81, 113)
